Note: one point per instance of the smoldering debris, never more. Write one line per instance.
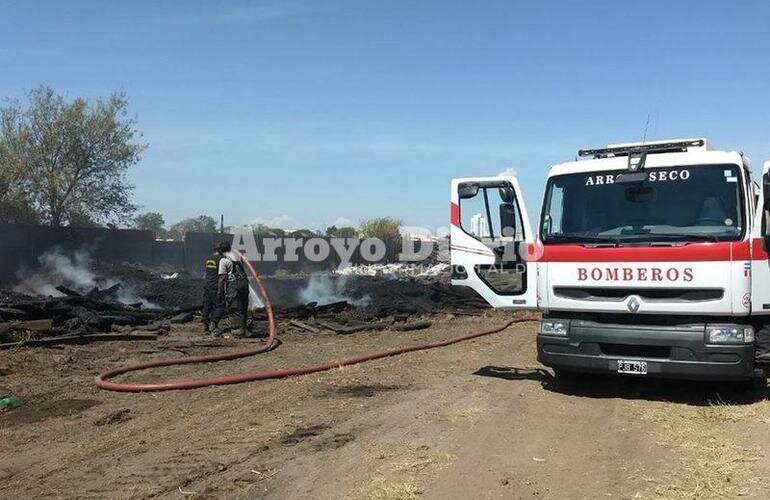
(69, 298)
(72, 273)
(75, 299)
(403, 304)
(382, 295)
(323, 289)
(43, 321)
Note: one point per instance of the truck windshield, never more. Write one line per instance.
(691, 203)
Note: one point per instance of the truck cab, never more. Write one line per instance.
(649, 259)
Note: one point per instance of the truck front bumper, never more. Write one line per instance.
(669, 351)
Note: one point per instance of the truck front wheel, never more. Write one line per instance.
(762, 346)
(568, 376)
(757, 384)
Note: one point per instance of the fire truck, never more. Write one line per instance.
(649, 259)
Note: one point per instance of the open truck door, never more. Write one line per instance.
(489, 240)
(759, 267)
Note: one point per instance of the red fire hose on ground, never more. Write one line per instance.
(102, 380)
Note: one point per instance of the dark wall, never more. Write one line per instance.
(22, 245)
(199, 245)
(16, 250)
(170, 253)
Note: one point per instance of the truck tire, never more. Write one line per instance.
(756, 385)
(567, 376)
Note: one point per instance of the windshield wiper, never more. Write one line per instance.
(580, 238)
(684, 236)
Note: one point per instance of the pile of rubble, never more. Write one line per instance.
(400, 305)
(140, 303)
(397, 270)
(79, 318)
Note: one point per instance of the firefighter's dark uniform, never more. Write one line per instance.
(238, 296)
(213, 305)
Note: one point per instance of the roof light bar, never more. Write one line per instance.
(665, 147)
(636, 160)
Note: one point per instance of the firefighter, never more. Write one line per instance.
(233, 287)
(213, 306)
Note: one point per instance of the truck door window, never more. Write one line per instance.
(493, 216)
(488, 217)
(554, 211)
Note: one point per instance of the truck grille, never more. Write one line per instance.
(650, 294)
(636, 351)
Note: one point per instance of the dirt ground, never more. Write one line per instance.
(479, 419)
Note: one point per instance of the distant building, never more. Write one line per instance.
(479, 225)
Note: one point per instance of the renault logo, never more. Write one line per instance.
(633, 304)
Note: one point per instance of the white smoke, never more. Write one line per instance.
(324, 290)
(73, 270)
(254, 301)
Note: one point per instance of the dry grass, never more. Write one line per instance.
(401, 476)
(394, 491)
(709, 461)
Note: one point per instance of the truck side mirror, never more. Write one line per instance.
(467, 190)
(507, 219)
(506, 194)
(766, 188)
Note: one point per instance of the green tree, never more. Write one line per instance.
(303, 233)
(69, 158)
(15, 202)
(200, 224)
(80, 219)
(264, 230)
(15, 205)
(341, 232)
(386, 229)
(151, 221)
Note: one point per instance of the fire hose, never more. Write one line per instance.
(102, 380)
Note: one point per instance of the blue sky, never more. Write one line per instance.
(307, 113)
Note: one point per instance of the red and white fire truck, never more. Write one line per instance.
(649, 259)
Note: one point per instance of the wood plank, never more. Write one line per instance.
(37, 325)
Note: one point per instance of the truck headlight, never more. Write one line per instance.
(729, 334)
(553, 327)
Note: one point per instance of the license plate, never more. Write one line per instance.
(632, 367)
